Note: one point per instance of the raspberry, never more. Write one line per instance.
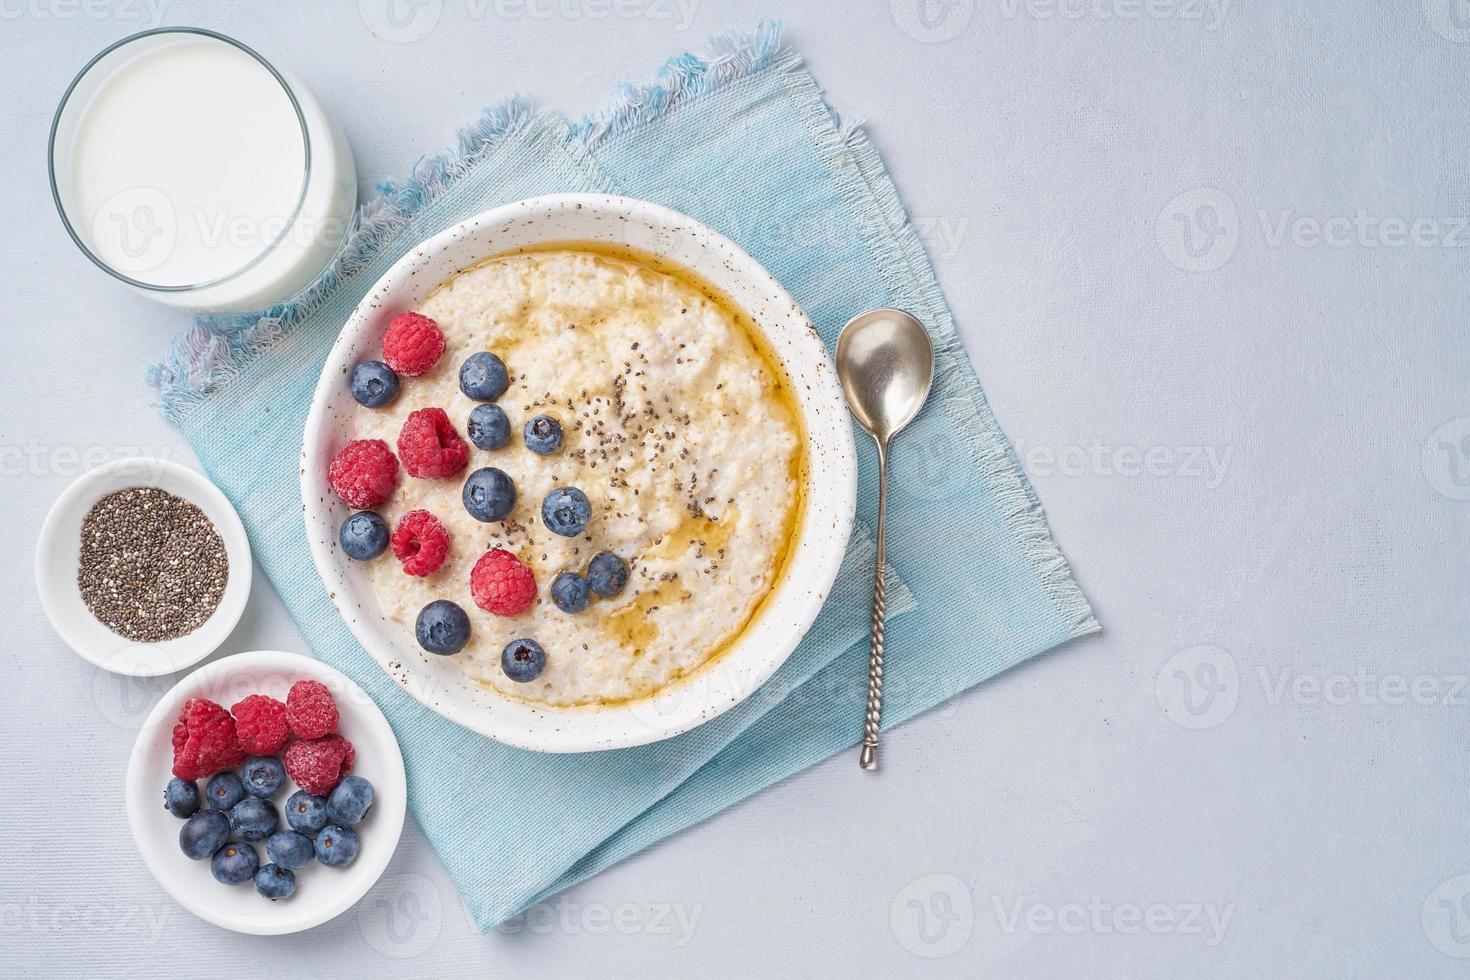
(260, 724)
(204, 740)
(364, 472)
(317, 765)
(310, 710)
(420, 542)
(349, 754)
(431, 446)
(502, 584)
(413, 344)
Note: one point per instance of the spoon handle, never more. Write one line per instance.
(868, 758)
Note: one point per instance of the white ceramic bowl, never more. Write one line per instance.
(58, 551)
(322, 893)
(831, 491)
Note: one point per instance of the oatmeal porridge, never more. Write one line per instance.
(638, 421)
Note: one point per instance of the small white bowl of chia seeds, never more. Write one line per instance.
(143, 567)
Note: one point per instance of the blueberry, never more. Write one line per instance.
(234, 863)
(289, 849)
(569, 592)
(203, 833)
(181, 798)
(262, 775)
(336, 846)
(275, 882)
(350, 801)
(374, 384)
(483, 377)
(224, 790)
(305, 812)
(607, 574)
(488, 428)
(543, 435)
(253, 819)
(442, 628)
(363, 536)
(566, 511)
(489, 494)
(523, 660)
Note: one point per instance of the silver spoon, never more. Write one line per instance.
(886, 365)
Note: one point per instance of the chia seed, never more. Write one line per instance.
(152, 567)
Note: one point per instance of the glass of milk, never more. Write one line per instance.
(186, 165)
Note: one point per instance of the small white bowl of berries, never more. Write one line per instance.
(266, 793)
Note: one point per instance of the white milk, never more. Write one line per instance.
(181, 164)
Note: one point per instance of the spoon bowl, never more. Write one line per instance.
(886, 364)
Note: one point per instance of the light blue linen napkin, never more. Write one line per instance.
(740, 138)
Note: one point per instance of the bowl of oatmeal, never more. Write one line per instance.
(578, 473)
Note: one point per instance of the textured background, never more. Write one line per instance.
(1209, 259)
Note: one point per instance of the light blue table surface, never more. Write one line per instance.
(1210, 261)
